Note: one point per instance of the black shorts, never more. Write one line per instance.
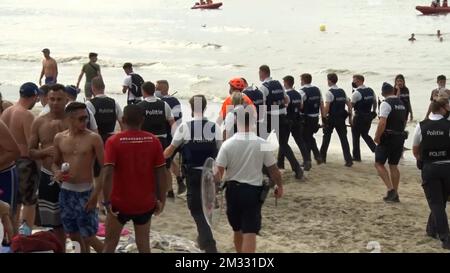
(244, 207)
(28, 173)
(165, 144)
(390, 149)
(138, 219)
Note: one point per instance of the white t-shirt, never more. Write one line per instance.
(127, 83)
(385, 108)
(243, 158)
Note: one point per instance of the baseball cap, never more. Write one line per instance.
(29, 89)
(71, 90)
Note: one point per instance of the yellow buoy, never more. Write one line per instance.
(323, 28)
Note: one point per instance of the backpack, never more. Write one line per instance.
(136, 82)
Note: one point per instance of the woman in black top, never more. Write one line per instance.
(403, 93)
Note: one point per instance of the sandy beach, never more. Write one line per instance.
(336, 209)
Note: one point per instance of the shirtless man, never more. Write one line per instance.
(49, 68)
(43, 132)
(9, 152)
(4, 104)
(79, 147)
(19, 118)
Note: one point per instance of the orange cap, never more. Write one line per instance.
(237, 83)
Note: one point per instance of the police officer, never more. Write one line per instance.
(257, 97)
(390, 137)
(295, 119)
(431, 147)
(364, 102)
(157, 115)
(334, 118)
(312, 108)
(198, 140)
(162, 87)
(276, 100)
(106, 110)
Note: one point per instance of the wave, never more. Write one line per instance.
(348, 72)
(71, 60)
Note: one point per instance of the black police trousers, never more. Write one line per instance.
(436, 185)
(283, 132)
(361, 128)
(341, 129)
(194, 201)
(296, 130)
(310, 128)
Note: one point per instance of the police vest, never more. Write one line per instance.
(337, 106)
(295, 102)
(255, 95)
(396, 121)
(175, 105)
(105, 115)
(364, 106)
(311, 106)
(435, 145)
(155, 117)
(275, 98)
(201, 144)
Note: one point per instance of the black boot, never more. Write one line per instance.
(181, 185)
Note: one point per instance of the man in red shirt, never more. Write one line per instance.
(134, 187)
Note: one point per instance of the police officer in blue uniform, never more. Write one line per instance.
(257, 97)
(334, 118)
(295, 119)
(276, 100)
(431, 147)
(199, 140)
(312, 108)
(162, 87)
(158, 119)
(390, 137)
(364, 102)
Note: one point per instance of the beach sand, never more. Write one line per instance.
(336, 209)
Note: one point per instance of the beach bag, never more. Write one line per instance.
(136, 83)
(37, 242)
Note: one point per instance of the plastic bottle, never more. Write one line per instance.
(25, 229)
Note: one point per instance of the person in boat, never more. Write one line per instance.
(412, 39)
(209, 2)
(436, 3)
(445, 4)
(202, 2)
